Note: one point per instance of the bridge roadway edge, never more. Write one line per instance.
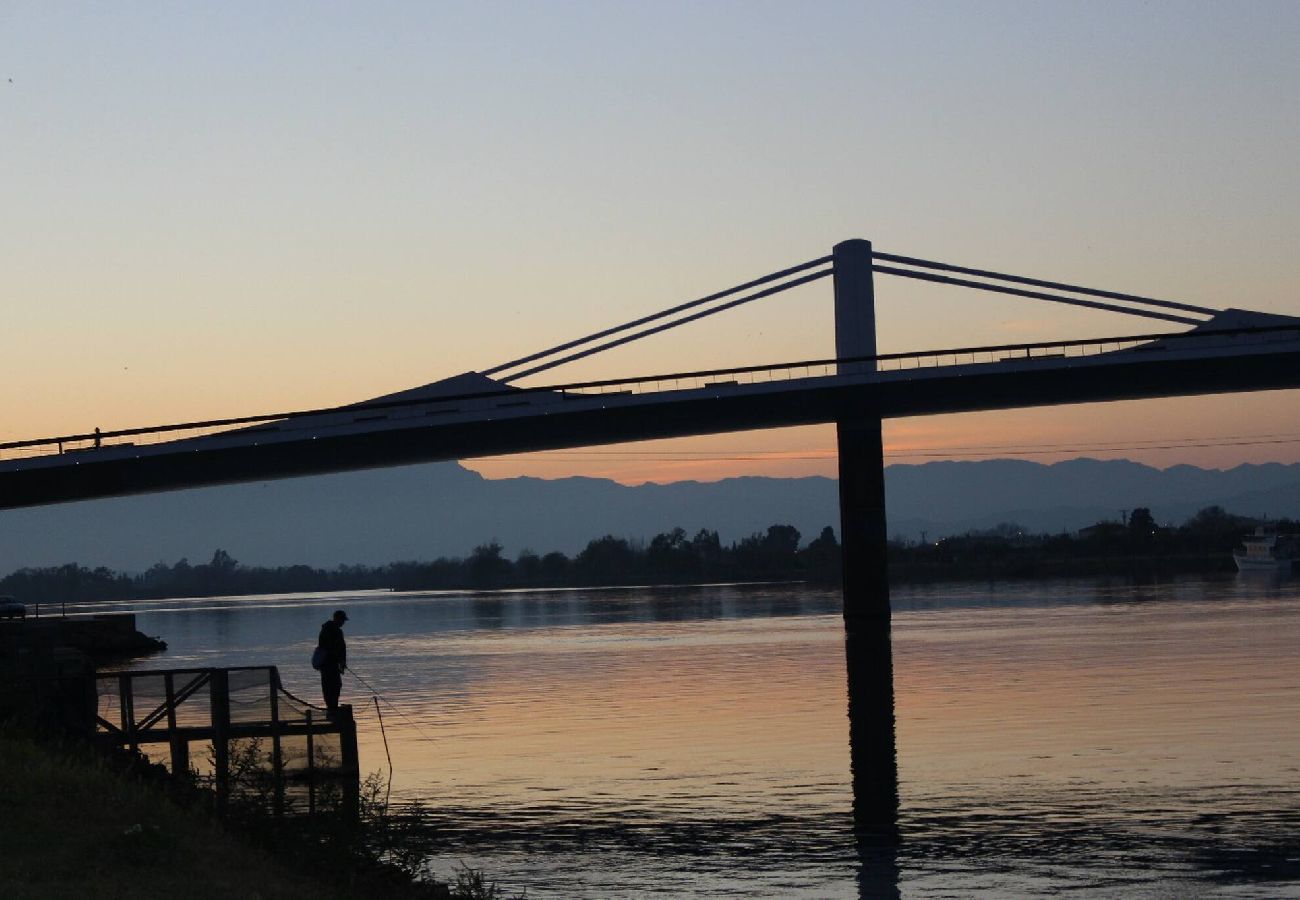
(649, 420)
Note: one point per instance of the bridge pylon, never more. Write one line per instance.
(863, 535)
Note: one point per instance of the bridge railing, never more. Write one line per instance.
(551, 396)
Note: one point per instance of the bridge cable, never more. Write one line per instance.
(1035, 295)
(888, 257)
(1038, 282)
(659, 315)
(785, 286)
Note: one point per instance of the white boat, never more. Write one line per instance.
(1267, 551)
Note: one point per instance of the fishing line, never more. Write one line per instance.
(388, 793)
(424, 734)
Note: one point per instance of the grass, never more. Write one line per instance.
(73, 826)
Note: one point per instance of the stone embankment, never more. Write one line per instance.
(102, 638)
(47, 666)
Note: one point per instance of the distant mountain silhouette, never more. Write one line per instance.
(422, 512)
(954, 497)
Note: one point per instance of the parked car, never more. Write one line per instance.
(11, 608)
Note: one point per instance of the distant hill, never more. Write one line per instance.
(954, 497)
(421, 512)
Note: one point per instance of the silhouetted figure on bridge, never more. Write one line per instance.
(334, 658)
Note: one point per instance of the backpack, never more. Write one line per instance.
(318, 658)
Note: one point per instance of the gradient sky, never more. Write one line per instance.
(246, 207)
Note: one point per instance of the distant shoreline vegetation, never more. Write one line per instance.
(1136, 545)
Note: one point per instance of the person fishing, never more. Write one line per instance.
(332, 652)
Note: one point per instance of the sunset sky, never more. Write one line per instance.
(240, 208)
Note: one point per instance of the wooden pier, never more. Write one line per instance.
(258, 736)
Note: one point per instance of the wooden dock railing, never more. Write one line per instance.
(259, 737)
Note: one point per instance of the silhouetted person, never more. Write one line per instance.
(336, 658)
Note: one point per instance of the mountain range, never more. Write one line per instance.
(443, 509)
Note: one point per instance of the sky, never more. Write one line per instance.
(225, 209)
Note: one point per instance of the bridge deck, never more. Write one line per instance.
(435, 425)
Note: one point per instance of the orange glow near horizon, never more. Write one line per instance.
(210, 221)
(1209, 432)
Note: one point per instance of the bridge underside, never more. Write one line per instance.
(652, 419)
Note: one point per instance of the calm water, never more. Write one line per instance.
(1104, 738)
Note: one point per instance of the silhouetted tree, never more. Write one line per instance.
(486, 566)
(671, 557)
(707, 548)
(223, 562)
(782, 542)
(1142, 526)
(823, 555)
(528, 566)
(555, 567)
(606, 559)
(769, 555)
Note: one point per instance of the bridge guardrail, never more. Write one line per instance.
(518, 398)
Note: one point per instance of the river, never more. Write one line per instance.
(1096, 736)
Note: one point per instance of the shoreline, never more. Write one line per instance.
(909, 566)
(81, 823)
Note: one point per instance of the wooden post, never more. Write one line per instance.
(180, 748)
(277, 759)
(863, 533)
(311, 767)
(347, 726)
(126, 710)
(219, 693)
(350, 760)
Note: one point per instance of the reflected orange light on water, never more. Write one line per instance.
(984, 698)
(617, 710)
(1123, 694)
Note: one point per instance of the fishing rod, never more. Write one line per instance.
(389, 793)
(397, 709)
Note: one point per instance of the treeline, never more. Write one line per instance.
(1137, 544)
(669, 558)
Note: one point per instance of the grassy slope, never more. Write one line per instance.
(71, 828)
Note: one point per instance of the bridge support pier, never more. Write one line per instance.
(863, 536)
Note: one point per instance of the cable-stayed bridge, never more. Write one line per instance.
(1193, 350)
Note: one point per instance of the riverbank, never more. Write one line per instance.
(73, 827)
(971, 558)
(1137, 546)
(924, 568)
(78, 824)
(101, 638)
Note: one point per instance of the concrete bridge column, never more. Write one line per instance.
(863, 533)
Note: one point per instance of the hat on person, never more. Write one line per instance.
(340, 615)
